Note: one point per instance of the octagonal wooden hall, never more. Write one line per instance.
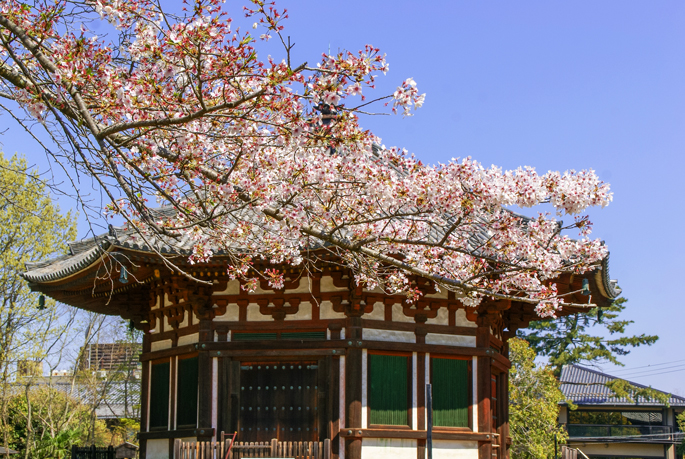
(318, 359)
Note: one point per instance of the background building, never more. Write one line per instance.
(604, 426)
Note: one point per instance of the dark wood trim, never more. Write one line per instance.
(245, 326)
(200, 431)
(172, 334)
(411, 327)
(438, 434)
(334, 406)
(421, 400)
(353, 388)
(173, 375)
(484, 389)
(323, 347)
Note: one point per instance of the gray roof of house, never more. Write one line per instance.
(584, 386)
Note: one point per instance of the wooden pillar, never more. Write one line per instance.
(421, 391)
(205, 376)
(144, 394)
(484, 387)
(353, 387)
(503, 413)
(334, 406)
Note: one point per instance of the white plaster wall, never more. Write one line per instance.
(461, 320)
(253, 314)
(166, 300)
(378, 312)
(395, 448)
(304, 286)
(188, 339)
(454, 449)
(620, 449)
(232, 314)
(160, 345)
(157, 449)
(388, 335)
(441, 319)
(326, 311)
(398, 314)
(184, 322)
(304, 312)
(451, 340)
(442, 294)
(327, 285)
(232, 288)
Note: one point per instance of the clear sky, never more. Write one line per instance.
(553, 85)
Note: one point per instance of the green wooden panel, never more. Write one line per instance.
(186, 392)
(253, 336)
(159, 395)
(388, 390)
(450, 380)
(304, 335)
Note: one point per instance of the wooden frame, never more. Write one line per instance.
(175, 401)
(469, 378)
(410, 390)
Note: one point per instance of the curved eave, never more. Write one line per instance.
(73, 265)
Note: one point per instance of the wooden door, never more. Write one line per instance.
(279, 400)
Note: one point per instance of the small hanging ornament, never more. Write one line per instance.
(41, 302)
(586, 287)
(123, 276)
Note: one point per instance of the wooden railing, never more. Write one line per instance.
(274, 448)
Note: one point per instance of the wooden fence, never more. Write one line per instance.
(275, 448)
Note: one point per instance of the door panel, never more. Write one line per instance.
(279, 400)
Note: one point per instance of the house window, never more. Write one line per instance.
(450, 385)
(186, 394)
(388, 385)
(159, 395)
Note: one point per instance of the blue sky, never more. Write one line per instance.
(553, 85)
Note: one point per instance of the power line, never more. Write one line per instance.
(646, 366)
(662, 373)
(630, 375)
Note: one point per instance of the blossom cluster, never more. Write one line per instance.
(180, 110)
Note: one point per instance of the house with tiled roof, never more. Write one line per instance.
(604, 426)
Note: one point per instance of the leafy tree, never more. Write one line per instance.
(534, 396)
(31, 229)
(581, 337)
(46, 421)
(262, 158)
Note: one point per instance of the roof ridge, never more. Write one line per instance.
(610, 377)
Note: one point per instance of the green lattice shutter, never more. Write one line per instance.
(186, 394)
(388, 389)
(450, 380)
(159, 395)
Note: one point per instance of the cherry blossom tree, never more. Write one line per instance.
(266, 159)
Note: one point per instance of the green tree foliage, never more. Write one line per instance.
(534, 396)
(582, 337)
(31, 228)
(45, 422)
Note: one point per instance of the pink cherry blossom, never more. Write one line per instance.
(180, 111)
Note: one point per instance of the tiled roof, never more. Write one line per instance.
(87, 252)
(584, 386)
